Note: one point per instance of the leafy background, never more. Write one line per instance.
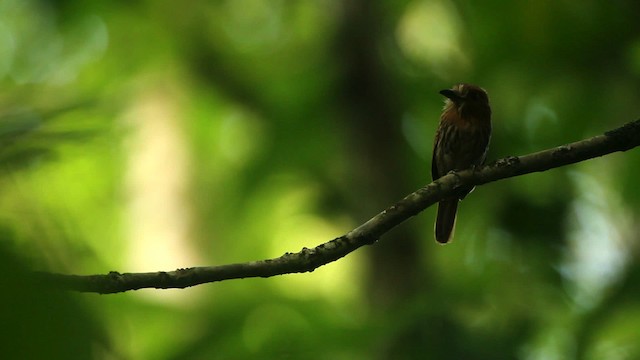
(144, 136)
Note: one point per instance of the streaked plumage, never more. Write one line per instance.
(461, 141)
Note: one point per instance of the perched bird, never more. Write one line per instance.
(461, 142)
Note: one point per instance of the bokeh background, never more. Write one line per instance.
(149, 135)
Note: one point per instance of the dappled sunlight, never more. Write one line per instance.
(157, 213)
(291, 224)
(598, 253)
(335, 282)
(35, 49)
(594, 259)
(430, 32)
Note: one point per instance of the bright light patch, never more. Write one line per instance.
(429, 33)
(597, 252)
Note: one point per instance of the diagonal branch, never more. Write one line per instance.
(620, 139)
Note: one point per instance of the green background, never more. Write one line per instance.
(153, 135)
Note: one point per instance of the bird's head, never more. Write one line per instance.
(468, 100)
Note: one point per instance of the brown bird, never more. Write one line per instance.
(461, 142)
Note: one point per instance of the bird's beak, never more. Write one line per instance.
(453, 95)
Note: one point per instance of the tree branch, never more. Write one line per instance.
(306, 260)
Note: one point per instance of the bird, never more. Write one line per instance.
(461, 142)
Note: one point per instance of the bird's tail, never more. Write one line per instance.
(446, 220)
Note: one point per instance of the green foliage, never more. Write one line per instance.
(157, 135)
